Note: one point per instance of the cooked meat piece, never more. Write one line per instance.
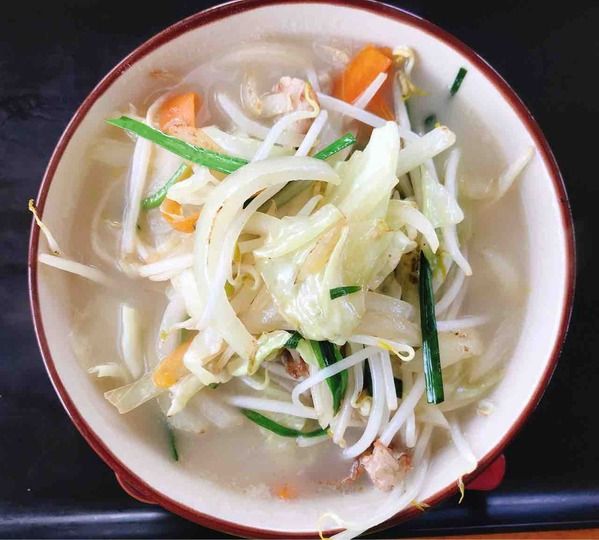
(294, 365)
(385, 467)
(289, 94)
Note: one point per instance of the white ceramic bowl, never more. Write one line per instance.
(139, 465)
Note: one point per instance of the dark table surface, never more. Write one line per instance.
(53, 53)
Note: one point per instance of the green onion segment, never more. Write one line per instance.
(156, 198)
(457, 82)
(430, 122)
(172, 442)
(327, 354)
(293, 341)
(336, 146)
(433, 376)
(190, 152)
(277, 428)
(337, 292)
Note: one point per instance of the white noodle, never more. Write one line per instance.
(311, 441)
(250, 245)
(341, 107)
(405, 352)
(271, 405)
(507, 177)
(461, 444)
(323, 374)
(87, 272)
(111, 369)
(254, 384)
(415, 218)
(182, 391)
(95, 225)
(132, 340)
(251, 127)
(450, 235)
(401, 111)
(365, 97)
(137, 180)
(377, 411)
(461, 324)
(358, 370)
(277, 130)
(410, 425)
(424, 148)
(456, 305)
(177, 263)
(387, 369)
(451, 291)
(406, 407)
(312, 78)
(167, 338)
(312, 134)
(342, 419)
(310, 206)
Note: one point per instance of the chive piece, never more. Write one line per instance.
(336, 146)
(433, 376)
(172, 442)
(213, 385)
(459, 79)
(327, 354)
(190, 152)
(430, 122)
(337, 292)
(277, 428)
(293, 341)
(398, 387)
(156, 198)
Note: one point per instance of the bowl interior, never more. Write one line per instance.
(528, 224)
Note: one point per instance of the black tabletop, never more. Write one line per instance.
(53, 53)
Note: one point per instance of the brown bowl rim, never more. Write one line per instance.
(134, 483)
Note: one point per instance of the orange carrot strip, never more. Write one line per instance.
(179, 110)
(285, 492)
(171, 369)
(172, 212)
(360, 72)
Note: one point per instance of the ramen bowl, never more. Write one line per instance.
(541, 235)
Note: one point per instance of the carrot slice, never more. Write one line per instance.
(285, 492)
(172, 212)
(179, 110)
(171, 369)
(361, 71)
